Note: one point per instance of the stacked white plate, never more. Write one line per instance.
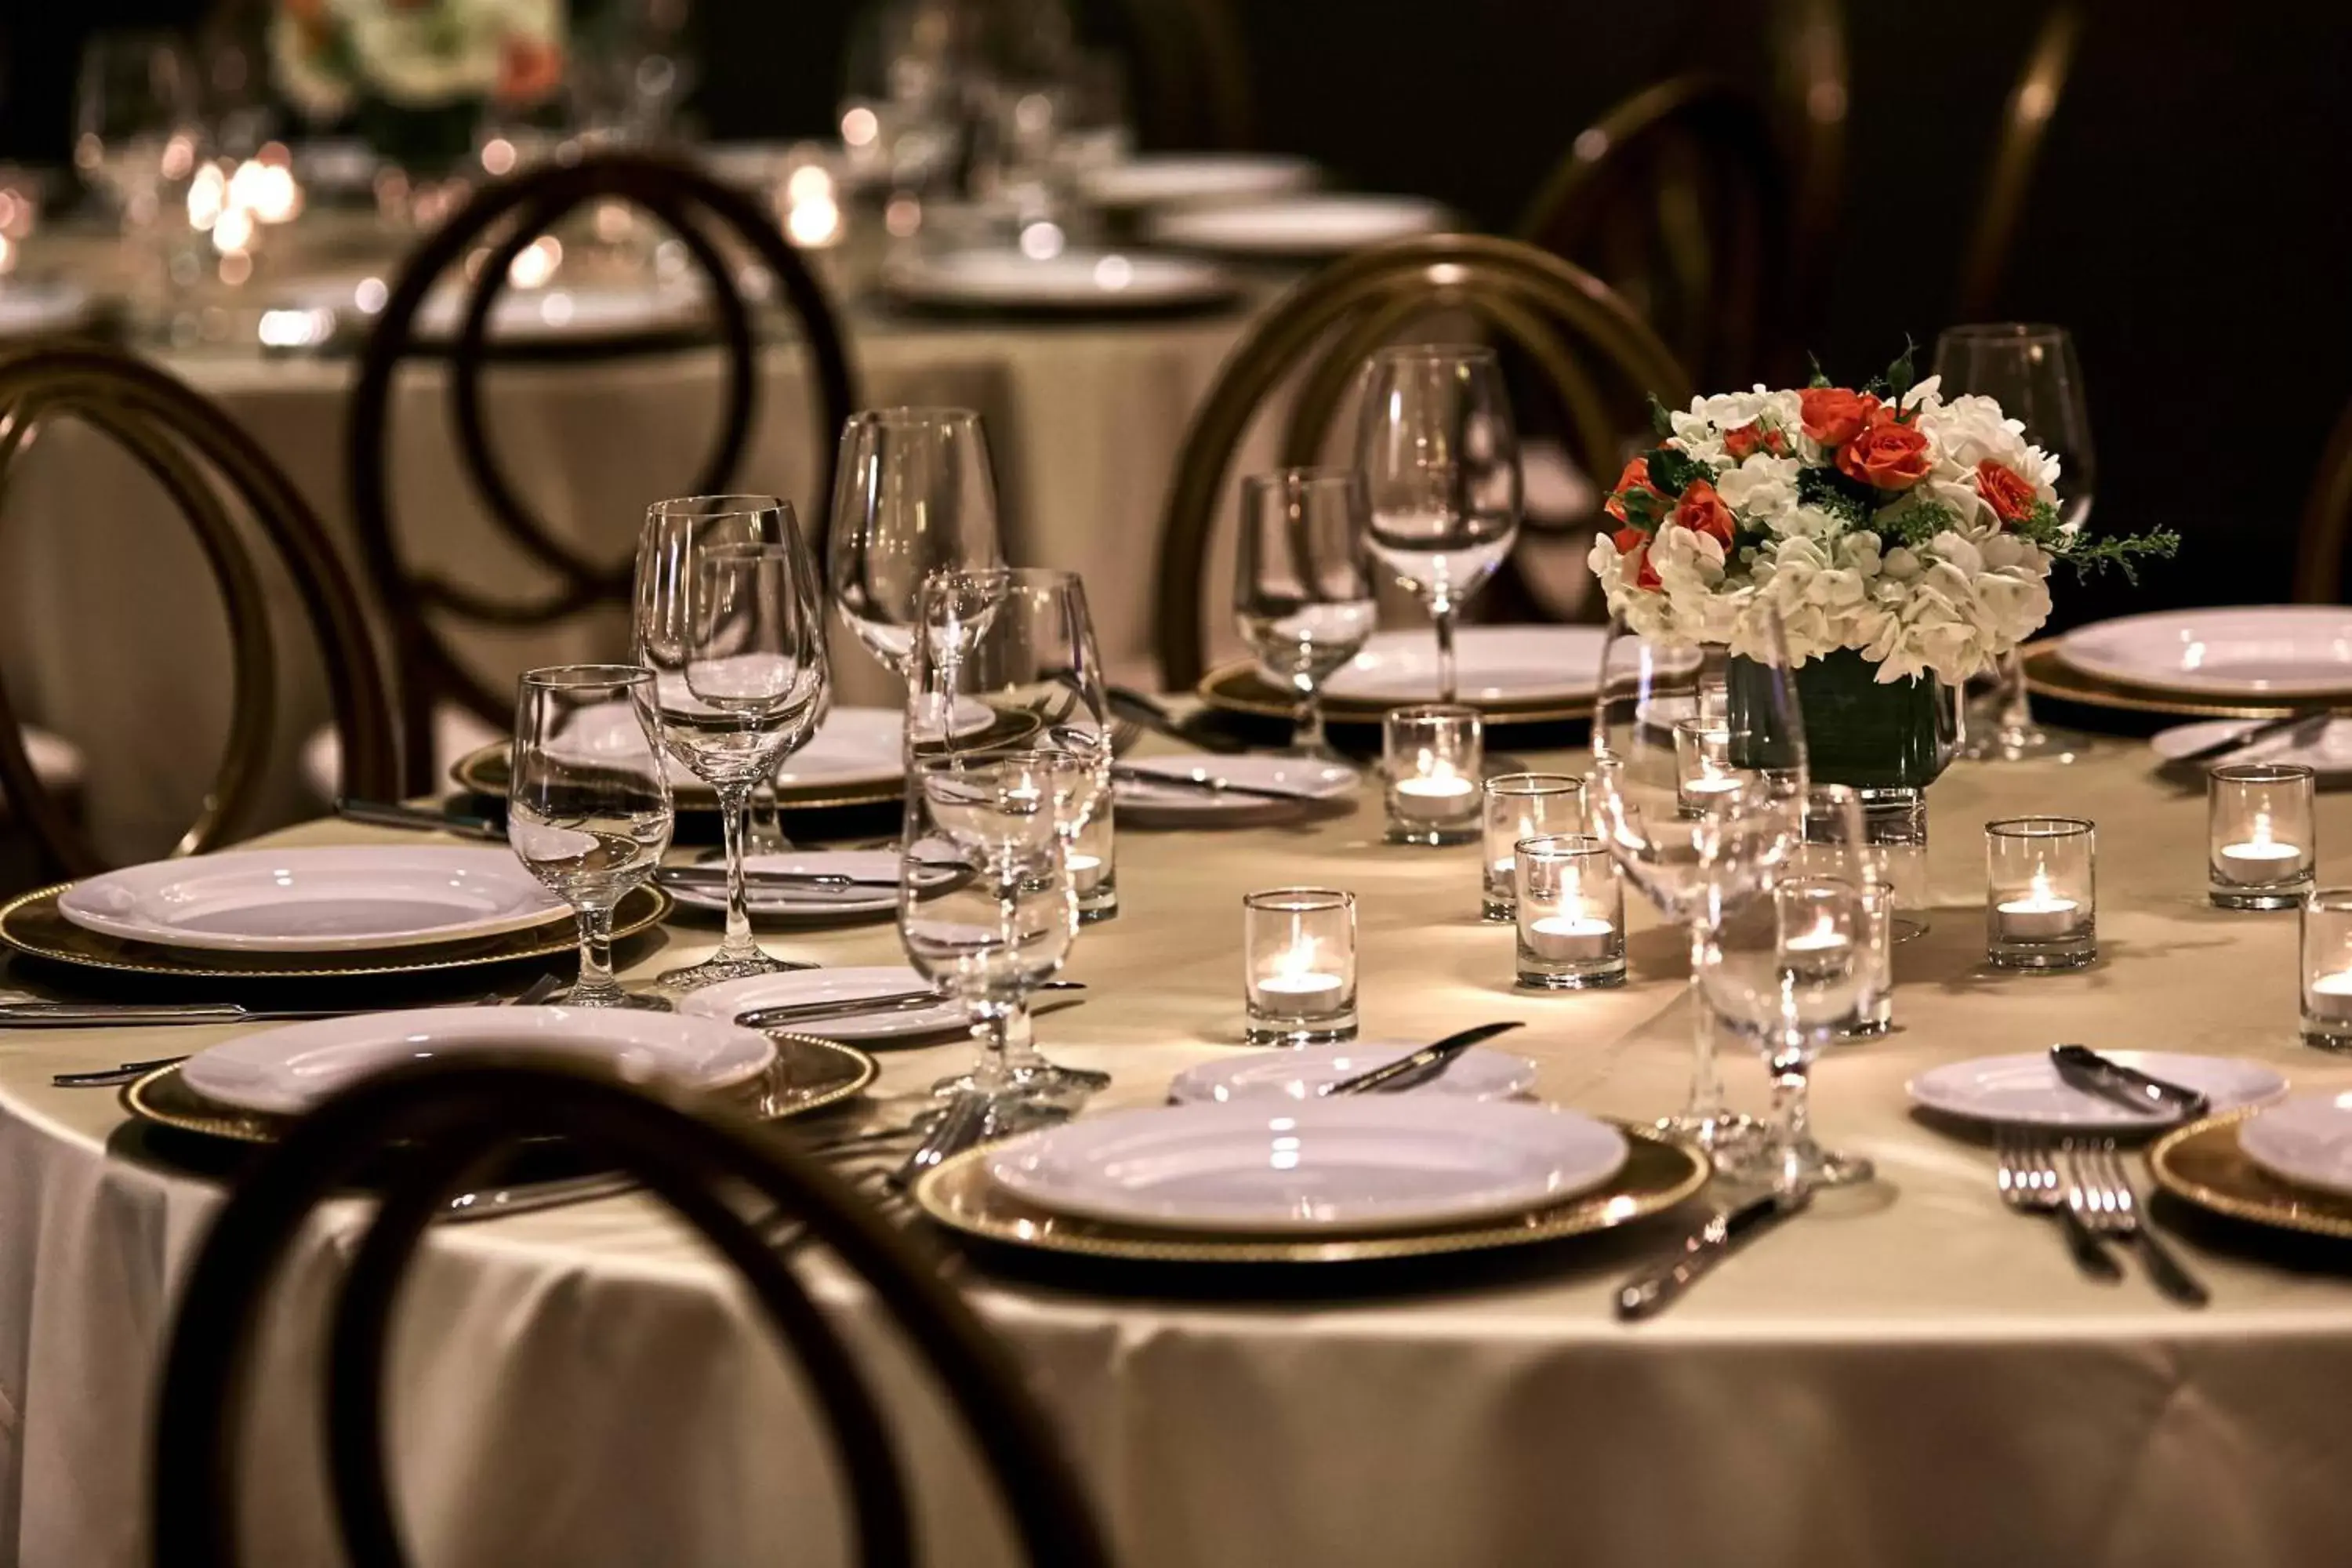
(1180, 803)
(810, 987)
(1364, 1164)
(2266, 653)
(1073, 283)
(541, 315)
(1492, 664)
(2307, 1141)
(1296, 228)
(1296, 1076)
(1172, 179)
(2025, 1090)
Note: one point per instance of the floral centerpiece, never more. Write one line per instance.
(1905, 539)
(415, 77)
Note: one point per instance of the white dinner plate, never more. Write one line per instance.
(48, 306)
(1299, 1074)
(1179, 806)
(520, 315)
(1375, 1161)
(853, 746)
(2025, 1090)
(2266, 650)
(803, 985)
(2308, 1140)
(2328, 753)
(314, 900)
(1492, 664)
(1164, 179)
(1297, 228)
(815, 904)
(1075, 282)
(284, 1072)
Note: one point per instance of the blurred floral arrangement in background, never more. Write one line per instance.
(414, 77)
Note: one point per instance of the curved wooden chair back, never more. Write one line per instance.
(2326, 520)
(451, 1116)
(1813, 91)
(1532, 301)
(204, 461)
(506, 217)
(2024, 123)
(1679, 198)
(1193, 84)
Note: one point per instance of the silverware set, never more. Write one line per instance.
(787, 1015)
(2082, 1183)
(1202, 781)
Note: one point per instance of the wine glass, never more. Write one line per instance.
(1005, 657)
(1691, 860)
(589, 808)
(915, 493)
(137, 102)
(1439, 457)
(1303, 586)
(729, 618)
(2031, 372)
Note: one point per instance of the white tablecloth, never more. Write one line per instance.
(1910, 1375)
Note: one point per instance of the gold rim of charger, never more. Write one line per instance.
(2202, 1164)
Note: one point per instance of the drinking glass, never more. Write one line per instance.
(1004, 658)
(2031, 371)
(730, 620)
(589, 807)
(1439, 457)
(1003, 924)
(1303, 586)
(136, 113)
(915, 494)
(1691, 867)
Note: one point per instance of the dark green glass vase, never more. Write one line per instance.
(1892, 735)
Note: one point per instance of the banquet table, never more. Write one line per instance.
(1909, 1373)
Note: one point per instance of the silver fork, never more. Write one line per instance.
(2030, 1184)
(2101, 1194)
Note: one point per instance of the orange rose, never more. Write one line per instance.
(1744, 440)
(1701, 511)
(1636, 477)
(1634, 544)
(1835, 414)
(2010, 497)
(1888, 455)
(529, 69)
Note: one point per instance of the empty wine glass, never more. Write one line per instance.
(729, 619)
(1303, 586)
(1689, 865)
(137, 104)
(589, 808)
(999, 927)
(914, 494)
(1439, 457)
(2031, 372)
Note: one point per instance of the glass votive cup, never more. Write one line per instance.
(1874, 1014)
(1433, 754)
(2260, 835)
(1524, 805)
(1703, 776)
(2041, 897)
(1093, 866)
(1570, 913)
(2328, 968)
(1298, 959)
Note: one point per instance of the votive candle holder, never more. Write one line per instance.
(2260, 835)
(2041, 893)
(1298, 957)
(1433, 754)
(1524, 805)
(1570, 913)
(2328, 968)
(1093, 866)
(1874, 1014)
(1703, 776)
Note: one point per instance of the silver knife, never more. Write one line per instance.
(394, 813)
(2298, 727)
(714, 877)
(1646, 1295)
(2087, 1068)
(1423, 1065)
(110, 1014)
(523, 1198)
(1204, 780)
(786, 1013)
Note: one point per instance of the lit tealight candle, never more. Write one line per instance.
(1303, 985)
(1569, 939)
(2260, 859)
(2041, 915)
(2331, 995)
(1086, 873)
(1703, 792)
(1439, 797)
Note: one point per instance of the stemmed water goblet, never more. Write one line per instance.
(588, 809)
(914, 493)
(1439, 456)
(1303, 586)
(2031, 372)
(730, 620)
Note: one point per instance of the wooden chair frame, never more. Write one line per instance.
(2025, 123)
(193, 450)
(2326, 518)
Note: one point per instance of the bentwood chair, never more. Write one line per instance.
(1192, 72)
(1589, 350)
(2326, 520)
(482, 240)
(204, 461)
(451, 1115)
(2025, 121)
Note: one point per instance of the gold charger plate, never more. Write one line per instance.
(2047, 674)
(2202, 1164)
(1659, 1173)
(1237, 688)
(808, 1075)
(31, 924)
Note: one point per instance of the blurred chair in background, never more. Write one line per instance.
(2326, 520)
(2009, 178)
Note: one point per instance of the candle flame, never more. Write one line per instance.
(2262, 838)
(1298, 960)
(2040, 893)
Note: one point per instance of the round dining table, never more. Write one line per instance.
(1908, 1372)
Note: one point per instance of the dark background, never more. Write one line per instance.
(2188, 218)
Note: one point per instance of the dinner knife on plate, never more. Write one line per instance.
(1207, 782)
(1651, 1292)
(2300, 728)
(430, 819)
(1412, 1071)
(2110, 1079)
(785, 1015)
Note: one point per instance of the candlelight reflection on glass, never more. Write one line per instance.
(2327, 969)
(1435, 753)
(2040, 901)
(1571, 913)
(2260, 838)
(1705, 778)
(1298, 957)
(1524, 805)
(1094, 867)
(1874, 1014)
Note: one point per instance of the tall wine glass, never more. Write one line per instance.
(589, 808)
(729, 618)
(1005, 657)
(915, 493)
(1303, 586)
(1439, 456)
(2031, 372)
(1690, 861)
(137, 109)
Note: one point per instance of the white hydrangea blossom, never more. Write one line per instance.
(420, 54)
